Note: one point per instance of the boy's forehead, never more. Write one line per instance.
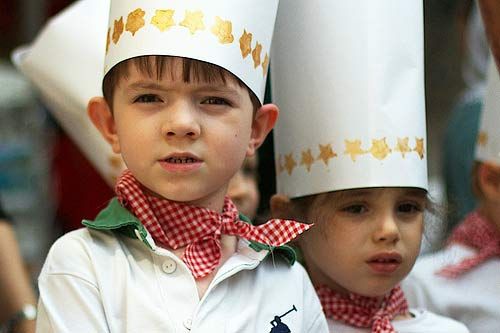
(150, 69)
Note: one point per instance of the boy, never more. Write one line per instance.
(461, 281)
(182, 105)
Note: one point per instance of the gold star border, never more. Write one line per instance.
(193, 21)
(379, 149)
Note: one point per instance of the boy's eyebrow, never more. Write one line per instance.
(221, 88)
(217, 88)
(145, 85)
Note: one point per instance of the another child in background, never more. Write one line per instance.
(243, 188)
(462, 281)
(351, 155)
(183, 89)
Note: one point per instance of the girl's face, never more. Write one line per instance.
(365, 241)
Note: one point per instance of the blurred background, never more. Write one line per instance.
(40, 166)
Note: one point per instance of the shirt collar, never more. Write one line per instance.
(117, 218)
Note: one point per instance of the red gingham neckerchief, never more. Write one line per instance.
(363, 311)
(177, 225)
(475, 231)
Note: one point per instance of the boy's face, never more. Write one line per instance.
(183, 141)
(366, 241)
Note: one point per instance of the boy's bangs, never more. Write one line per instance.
(158, 66)
(192, 70)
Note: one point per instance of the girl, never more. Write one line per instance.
(350, 149)
(462, 280)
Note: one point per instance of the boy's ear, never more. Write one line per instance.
(102, 118)
(489, 181)
(281, 206)
(263, 123)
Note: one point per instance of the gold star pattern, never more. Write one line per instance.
(135, 21)
(118, 30)
(265, 65)
(307, 159)
(290, 163)
(245, 44)
(419, 147)
(223, 30)
(279, 165)
(256, 55)
(380, 149)
(193, 21)
(108, 39)
(163, 19)
(353, 148)
(482, 139)
(326, 153)
(403, 146)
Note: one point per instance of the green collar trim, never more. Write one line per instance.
(118, 219)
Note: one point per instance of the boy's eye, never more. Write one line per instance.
(409, 208)
(147, 98)
(216, 101)
(355, 209)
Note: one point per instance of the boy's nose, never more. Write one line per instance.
(387, 230)
(181, 123)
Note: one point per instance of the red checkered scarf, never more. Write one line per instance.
(177, 225)
(363, 311)
(475, 231)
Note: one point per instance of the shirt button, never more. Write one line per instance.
(169, 266)
(188, 323)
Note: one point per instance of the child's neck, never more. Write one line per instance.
(491, 211)
(214, 201)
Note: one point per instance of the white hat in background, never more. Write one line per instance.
(488, 143)
(348, 77)
(67, 59)
(65, 63)
(233, 35)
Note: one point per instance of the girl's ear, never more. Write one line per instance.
(101, 116)
(262, 124)
(489, 181)
(281, 207)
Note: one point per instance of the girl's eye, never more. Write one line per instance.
(355, 209)
(216, 101)
(409, 208)
(147, 98)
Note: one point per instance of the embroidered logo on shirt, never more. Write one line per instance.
(278, 325)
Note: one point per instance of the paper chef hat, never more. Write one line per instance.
(233, 35)
(488, 143)
(65, 63)
(348, 77)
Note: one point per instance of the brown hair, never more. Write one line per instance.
(156, 66)
(303, 206)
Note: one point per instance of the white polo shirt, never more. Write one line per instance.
(107, 281)
(473, 298)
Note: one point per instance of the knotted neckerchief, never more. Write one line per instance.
(363, 311)
(475, 231)
(199, 229)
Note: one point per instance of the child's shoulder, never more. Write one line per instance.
(426, 321)
(77, 251)
(428, 264)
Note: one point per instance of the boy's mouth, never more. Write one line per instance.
(181, 160)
